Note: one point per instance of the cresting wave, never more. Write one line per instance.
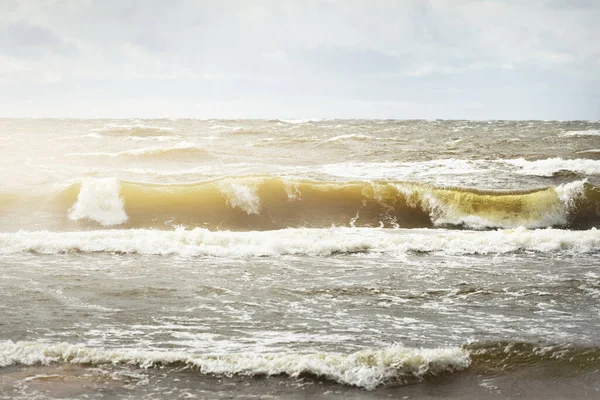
(313, 242)
(267, 202)
(367, 368)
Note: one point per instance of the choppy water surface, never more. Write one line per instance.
(338, 259)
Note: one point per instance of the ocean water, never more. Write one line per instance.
(150, 259)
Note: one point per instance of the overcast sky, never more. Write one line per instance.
(477, 59)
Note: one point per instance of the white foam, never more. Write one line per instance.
(457, 167)
(568, 193)
(153, 138)
(292, 190)
(589, 132)
(362, 137)
(350, 136)
(301, 121)
(301, 241)
(160, 149)
(228, 128)
(550, 166)
(99, 200)
(404, 170)
(244, 197)
(366, 368)
(446, 171)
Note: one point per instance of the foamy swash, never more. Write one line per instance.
(313, 242)
(266, 202)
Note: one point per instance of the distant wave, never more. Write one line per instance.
(137, 129)
(451, 166)
(301, 241)
(178, 150)
(356, 136)
(550, 166)
(589, 132)
(589, 151)
(154, 138)
(299, 121)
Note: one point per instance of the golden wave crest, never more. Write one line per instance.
(266, 202)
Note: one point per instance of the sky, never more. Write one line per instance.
(403, 59)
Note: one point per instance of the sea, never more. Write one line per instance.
(295, 259)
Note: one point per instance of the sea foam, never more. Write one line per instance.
(242, 196)
(301, 241)
(550, 166)
(99, 200)
(589, 132)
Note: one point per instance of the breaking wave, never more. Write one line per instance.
(369, 368)
(267, 202)
(366, 368)
(313, 242)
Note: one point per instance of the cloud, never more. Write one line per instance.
(398, 52)
(428, 69)
(24, 40)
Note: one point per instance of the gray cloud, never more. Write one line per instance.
(22, 39)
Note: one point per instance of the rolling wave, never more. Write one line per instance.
(268, 202)
(369, 368)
